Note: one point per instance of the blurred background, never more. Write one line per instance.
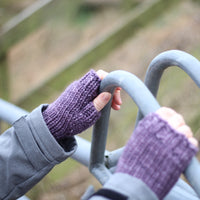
(45, 45)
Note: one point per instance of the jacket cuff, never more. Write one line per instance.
(34, 135)
(130, 186)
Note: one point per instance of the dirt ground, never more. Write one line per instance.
(178, 29)
(53, 46)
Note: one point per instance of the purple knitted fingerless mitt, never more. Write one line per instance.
(73, 111)
(157, 154)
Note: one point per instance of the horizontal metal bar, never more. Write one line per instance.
(112, 157)
(10, 113)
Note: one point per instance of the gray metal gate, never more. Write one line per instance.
(101, 162)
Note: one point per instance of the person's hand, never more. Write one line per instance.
(177, 122)
(79, 106)
(158, 151)
(102, 99)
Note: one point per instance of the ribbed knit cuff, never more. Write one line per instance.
(73, 111)
(157, 154)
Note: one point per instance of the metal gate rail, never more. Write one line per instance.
(143, 99)
(147, 104)
(98, 159)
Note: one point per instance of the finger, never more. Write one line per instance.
(101, 100)
(176, 121)
(116, 106)
(101, 74)
(185, 130)
(117, 96)
(165, 113)
(117, 101)
(193, 141)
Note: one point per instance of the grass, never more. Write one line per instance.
(57, 173)
(177, 90)
(62, 170)
(4, 79)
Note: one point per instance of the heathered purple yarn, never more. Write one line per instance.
(73, 111)
(157, 154)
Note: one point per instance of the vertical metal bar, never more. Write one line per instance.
(0, 126)
(143, 99)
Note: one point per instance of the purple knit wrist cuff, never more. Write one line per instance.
(73, 111)
(157, 154)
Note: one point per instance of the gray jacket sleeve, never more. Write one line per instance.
(28, 152)
(132, 188)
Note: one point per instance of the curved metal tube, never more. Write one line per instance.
(146, 102)
(9, 112)
(143, 99)
(191, 66)
(181, 59)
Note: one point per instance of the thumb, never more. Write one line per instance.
(101, 100)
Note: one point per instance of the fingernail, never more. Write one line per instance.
(193, 141)
(106, 96)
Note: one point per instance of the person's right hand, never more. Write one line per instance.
(79, 106)
(158, 151)
(177, 122)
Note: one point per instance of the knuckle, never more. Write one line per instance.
(180, 118)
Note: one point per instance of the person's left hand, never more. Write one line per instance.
(177, 122)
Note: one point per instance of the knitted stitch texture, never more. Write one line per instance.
(157, 154)
(73, 111)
